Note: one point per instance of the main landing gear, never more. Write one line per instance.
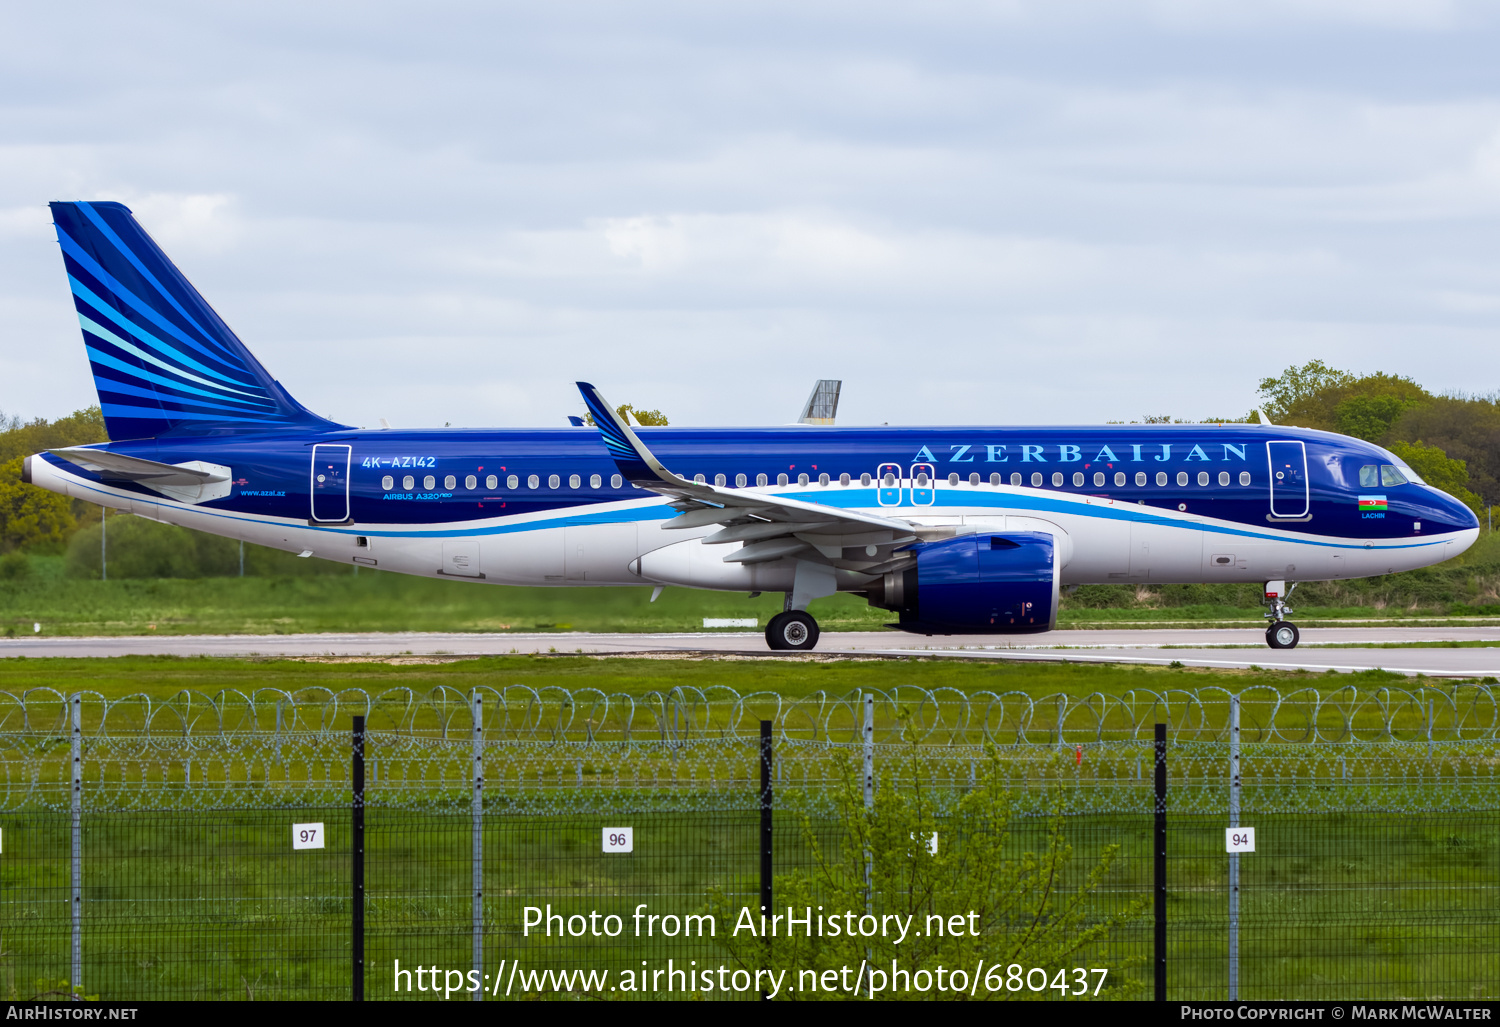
(1280, 633)
(793, 630)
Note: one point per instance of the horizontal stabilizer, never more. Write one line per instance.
(119, 467)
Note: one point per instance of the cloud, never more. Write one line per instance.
(972, 212)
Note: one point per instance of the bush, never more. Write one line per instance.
(139, 548)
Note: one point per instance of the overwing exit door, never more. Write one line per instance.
(1290, 492)
(330, 483)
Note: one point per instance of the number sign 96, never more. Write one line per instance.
(307, 836)
(1239, 839)
(619, 839)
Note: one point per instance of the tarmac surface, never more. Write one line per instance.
(1432, 651)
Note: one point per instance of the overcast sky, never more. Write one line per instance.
(969, 212)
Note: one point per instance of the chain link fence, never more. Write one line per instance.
(147, 849)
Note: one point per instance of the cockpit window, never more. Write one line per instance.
(1369, 476)
(1389, 475)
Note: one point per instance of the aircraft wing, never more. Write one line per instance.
(119, 467)
(769, 526)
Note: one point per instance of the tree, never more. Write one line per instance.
(651, 418)
(31, 518)
(22, 438)
(1318, 396)
(1027, 908)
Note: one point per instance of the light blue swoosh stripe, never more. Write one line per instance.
(90, 325)
(140, 306)
(177, 388)
(83, 292)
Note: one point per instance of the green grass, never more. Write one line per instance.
(164, 676)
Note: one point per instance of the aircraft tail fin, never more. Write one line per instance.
(164, 363)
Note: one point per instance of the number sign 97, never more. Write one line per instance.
(1239, 839)
(619, 839)
(307, 836)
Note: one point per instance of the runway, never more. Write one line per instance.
(1343, 650)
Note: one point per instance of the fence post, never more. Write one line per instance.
(765, 825)
(477, 857)
(1234, 857)
(869, 769)
(76, 804)
(1161, 862)
(358, 854)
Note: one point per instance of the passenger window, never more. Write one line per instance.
(953, 479)
(1077, 479)
(471, 483)
(761, 479)
(995, 479)
(1057, 479)
(429, 482)
(1202, 477)
(719, 480)
(574, 481)
(1015, 479)
(802, 479)
(1223, 477)
(491, 482)
(1140, 478)
(1161, 478)
(1036, 479)
(1369, 477)
(387, 483)
(615, 481)
(532, 481)
(974, 478)
(450, 483)
(843, 479)
(1182, 478)
(1098, 479)
(700, 479)
(595, 481)
(864, 479)
(408, 483)
(823, 479)
(781, 479)
(1244, 477)
(1119, 478)
(1389, 475)
(553, 481)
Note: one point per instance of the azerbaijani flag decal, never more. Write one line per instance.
(1372, 504)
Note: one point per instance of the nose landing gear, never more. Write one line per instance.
(1280, 633)
(794, 630)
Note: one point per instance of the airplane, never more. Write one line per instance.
(956, 530)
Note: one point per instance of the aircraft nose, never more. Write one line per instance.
(1458, 513)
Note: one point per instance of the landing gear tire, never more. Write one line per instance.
(1283, 635)
(795, 631)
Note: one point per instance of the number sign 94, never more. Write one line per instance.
(1239, 839)
(307, 836)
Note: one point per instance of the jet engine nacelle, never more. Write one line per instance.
(978, 584)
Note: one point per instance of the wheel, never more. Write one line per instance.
(1283, 635)
(795, 631)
